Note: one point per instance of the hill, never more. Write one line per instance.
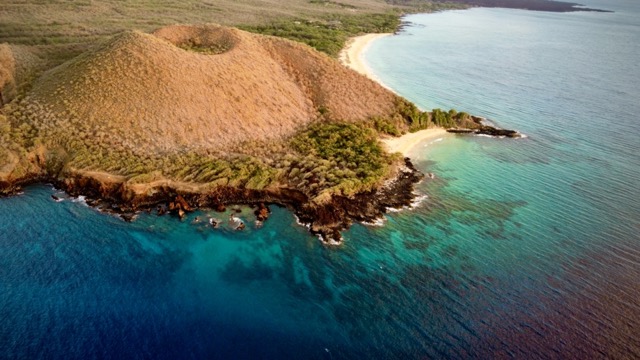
(214, 114)
(205, 87)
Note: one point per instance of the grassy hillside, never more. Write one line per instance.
(191, 104)
(207, 105)
(149, 94)
(63, 21)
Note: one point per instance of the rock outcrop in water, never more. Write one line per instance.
(478, 127)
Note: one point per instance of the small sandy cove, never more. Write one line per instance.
(405, 144)
(351, 57)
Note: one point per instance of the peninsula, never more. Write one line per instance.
(206, 116)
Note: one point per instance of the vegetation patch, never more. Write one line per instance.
(349, 158)
(210, 49)
(419, 120)
(329, 34)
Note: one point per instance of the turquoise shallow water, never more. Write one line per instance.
(525, 248)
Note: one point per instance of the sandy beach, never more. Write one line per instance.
(405, 144)
(351, 56)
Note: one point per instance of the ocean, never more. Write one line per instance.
(524, 248)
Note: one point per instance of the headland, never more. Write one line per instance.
(209, 116)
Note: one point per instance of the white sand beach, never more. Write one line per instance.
(405, 144)
(351, 56)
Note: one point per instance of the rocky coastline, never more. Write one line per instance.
(479, 127)
(326, 220)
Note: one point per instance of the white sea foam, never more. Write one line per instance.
(377, 222)
(331, 242)
(80, 199)
(419, 199)
(308, 226)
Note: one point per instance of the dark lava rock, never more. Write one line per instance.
(161, 209)
(262, 212)
(128, 217)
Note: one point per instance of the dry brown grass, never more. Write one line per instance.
(339, 93)
(36, 22)
(147, 95)
(142, 107)
(7, 74)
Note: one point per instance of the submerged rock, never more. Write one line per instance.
(214, 222)
(161, 209)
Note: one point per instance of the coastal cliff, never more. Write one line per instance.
(215, 116)
(207, 116)
(327, 220)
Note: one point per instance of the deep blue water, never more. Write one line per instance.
(525, 248)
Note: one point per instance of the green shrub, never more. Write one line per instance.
(345, 158)
(329, 34)
(386, 126)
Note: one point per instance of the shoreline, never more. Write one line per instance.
(408, 143)
(327, 219)
(351, 55)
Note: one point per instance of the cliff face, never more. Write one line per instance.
(327, 219)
